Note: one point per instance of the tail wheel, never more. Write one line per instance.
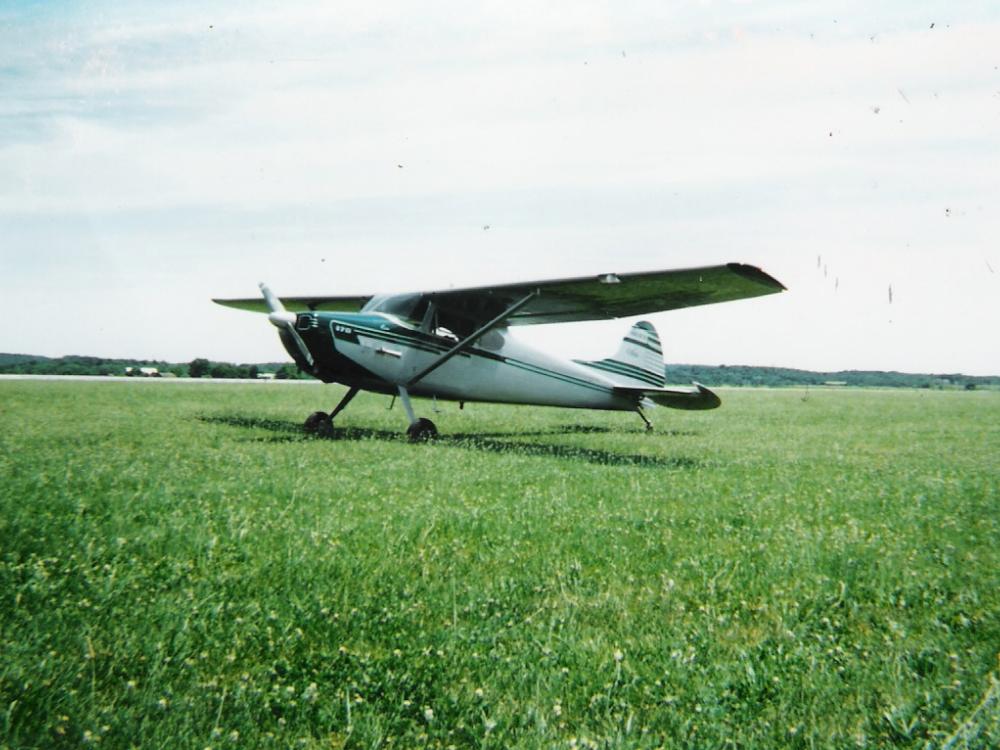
(421, 430)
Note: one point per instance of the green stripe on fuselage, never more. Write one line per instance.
(372, 327)
(622, 368)
(395, 334)
(529, 367)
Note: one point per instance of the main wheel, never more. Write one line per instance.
(422, 429)
(318, 423)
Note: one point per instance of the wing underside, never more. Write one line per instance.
(298, 304)
(618, 295)
(565, 300)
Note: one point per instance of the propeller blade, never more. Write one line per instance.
(285, 321)
(273, 303)
(299, 343)
(306, 354)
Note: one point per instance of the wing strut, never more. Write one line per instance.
(471, 338)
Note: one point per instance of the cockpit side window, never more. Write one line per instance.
(412, 308)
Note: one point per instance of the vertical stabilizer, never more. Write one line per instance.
(638, 361)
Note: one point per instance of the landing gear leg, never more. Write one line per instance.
(321, 423)
(419, 429)
(649, 425)
(344, 402)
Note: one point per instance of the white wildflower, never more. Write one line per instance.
(310, 693)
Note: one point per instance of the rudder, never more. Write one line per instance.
(639, 359)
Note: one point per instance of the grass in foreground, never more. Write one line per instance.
(181, 567)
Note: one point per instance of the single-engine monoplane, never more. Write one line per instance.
(455, 344)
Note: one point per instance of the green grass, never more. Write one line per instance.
(181, 567)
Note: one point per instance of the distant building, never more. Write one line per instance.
(142, 372)
(265, 376)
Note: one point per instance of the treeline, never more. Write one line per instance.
(203, 368)
(744, 375)
(28, 364)
(734, 375)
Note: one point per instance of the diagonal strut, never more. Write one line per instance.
(471, 338)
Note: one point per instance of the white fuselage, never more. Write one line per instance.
(497, 367)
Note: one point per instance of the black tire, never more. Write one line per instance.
(318, 422)
(421, 430)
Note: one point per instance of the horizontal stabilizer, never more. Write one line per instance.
(698, 397)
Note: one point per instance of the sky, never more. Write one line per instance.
(156, 155)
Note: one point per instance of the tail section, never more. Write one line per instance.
(637, 371)
(638, 361)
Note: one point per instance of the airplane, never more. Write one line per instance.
(455, 344)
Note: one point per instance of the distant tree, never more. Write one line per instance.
(199, 368)
(252, 372)
(224, 370)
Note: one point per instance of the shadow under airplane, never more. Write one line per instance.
(286, 431)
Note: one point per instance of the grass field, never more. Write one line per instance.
(181, 567)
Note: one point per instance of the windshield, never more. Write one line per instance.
(405, 306)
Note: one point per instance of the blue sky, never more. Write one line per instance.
(153, 156)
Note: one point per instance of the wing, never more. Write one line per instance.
(563, 300)
(610, 295)
(298, 304)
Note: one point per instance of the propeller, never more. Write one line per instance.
(284, 321)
